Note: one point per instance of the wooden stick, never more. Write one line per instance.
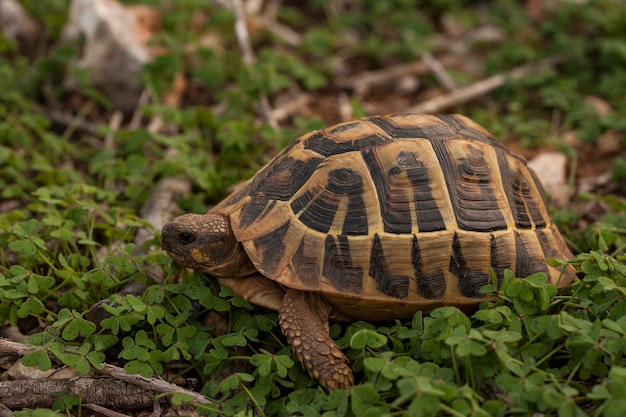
(291, 106)
(269, 22)
(153, 384)
(364, 81)
(243, 39)
(480, 88)
(439, 71)
(105, 392)
(104, 411)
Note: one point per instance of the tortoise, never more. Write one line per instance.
(373, 219)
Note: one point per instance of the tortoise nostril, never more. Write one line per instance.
(186, 237)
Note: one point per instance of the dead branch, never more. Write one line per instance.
(243, 39)
(480, 88)
(105, 392)
(68, 119)
(291, 106)
(362, 83)
(104, 411)
(114, 126)
(284, 32)
(154, 385)
(269, 22)
(5, 411)
(241, 31)
(439, 71)
(144, 99)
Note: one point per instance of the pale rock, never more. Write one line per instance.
(609, 142)
(550, 167)
(600, 105)
(20, 371)
(18, 25)
(116, 46)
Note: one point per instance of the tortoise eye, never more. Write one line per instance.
(186, 237)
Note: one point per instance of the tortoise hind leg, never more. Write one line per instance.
(303, 318)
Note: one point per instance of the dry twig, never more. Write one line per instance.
(243, 39)
(153, 385)
(363, 82)
(114, 125)
(104, 411)
(480, 88)
(68, 119)
(5, 411)
(439, 71)
(105, 392)
(144, 99)
(291, 106)
(269, 22)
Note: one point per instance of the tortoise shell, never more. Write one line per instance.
(388, 215)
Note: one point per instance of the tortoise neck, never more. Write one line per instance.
(238, 264)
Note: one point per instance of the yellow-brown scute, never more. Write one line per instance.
(395, 214)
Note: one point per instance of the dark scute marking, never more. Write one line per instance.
(318, 207)
(272, 248)
(549, 251)
(254, 209)
(338, 266)
(279, 181)
(468, 182)
(451, 121)
(523, 199)
(394, 202)
(525, 209)
(497, 262)
(298, 204)
(328, 146)
(396, 131)
(535, 209)
(477, 205)
(346, 182)
(306, 267)
(516, 187)
(429, 218)
(355, 222)
(286, 177)
(430, 285)
(463, 130)
(396, 286)
(525, 263)
(251, 187)
(470, 281)
(343, 128)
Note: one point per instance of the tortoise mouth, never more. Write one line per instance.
(175, 242)
(174, 253)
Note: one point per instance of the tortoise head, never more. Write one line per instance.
(205, 242)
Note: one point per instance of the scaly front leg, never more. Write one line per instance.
(303, 318)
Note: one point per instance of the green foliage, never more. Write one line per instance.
(71, 198)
